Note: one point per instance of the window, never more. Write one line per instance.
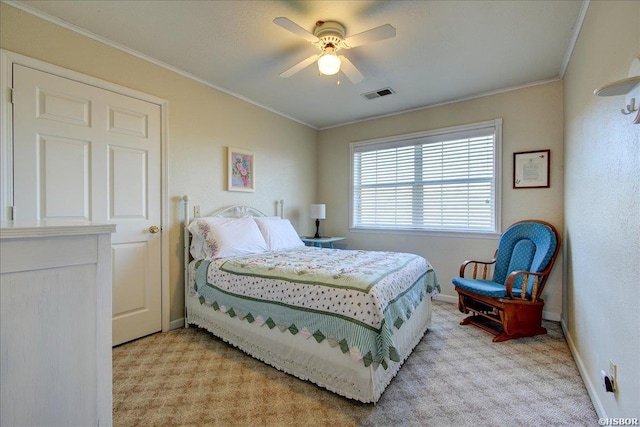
(437, 181)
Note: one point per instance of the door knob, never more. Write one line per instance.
(153, 229)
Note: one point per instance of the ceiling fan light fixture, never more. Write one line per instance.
(329, 37)
(329, 64)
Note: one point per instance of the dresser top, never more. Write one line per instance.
(45, 228)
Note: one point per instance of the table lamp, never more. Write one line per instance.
(318, 212)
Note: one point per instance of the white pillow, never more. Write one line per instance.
(225, 237)
(278, 233)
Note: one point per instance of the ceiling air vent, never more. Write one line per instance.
(378, 93)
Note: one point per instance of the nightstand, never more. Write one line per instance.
(319, 243)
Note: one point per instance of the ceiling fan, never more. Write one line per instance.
(329, 37)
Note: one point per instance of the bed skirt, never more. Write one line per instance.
(319, 363)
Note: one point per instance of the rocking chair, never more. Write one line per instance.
(509, 304)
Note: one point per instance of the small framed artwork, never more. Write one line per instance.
(531, 169)
(241, 169)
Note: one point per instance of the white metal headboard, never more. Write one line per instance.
(236, 211)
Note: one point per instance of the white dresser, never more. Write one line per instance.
(55, 324)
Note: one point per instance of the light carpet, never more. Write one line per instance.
(455, 377)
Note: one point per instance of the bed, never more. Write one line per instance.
(345, 320)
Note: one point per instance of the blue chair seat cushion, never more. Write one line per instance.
(485, 287)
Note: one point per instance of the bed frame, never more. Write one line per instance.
(320, 364)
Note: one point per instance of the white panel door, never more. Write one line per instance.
(85, 153)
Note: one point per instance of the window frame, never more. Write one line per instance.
(496, 124)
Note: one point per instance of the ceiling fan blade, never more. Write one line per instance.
(373, 35)
(296, 29)
(350, 70)
(299, 66)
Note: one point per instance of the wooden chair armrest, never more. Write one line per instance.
(538, 284)
(484, 264)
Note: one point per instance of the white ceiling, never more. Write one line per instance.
(443, 51)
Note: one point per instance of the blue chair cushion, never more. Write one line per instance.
(527, 246)
(484, 287)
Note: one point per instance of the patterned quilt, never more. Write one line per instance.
(353, 299)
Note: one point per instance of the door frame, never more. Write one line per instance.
(7, 59)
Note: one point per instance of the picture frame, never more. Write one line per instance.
(241, 170)
(531, 169)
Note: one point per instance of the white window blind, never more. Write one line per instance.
(442, 180)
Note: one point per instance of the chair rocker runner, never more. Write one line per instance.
(509, 304)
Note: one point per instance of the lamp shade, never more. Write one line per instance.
(318, 212)
(329, 64)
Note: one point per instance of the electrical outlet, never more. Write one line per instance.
(610, 379)
(613, 372)
(196, 211)
(607, 384)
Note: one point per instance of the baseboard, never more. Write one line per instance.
(586, 379)
(549, 315)
(176, 324)
(446, 298)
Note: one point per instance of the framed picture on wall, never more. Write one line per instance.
(531, 169)
(241, 170)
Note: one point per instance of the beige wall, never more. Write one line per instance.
(602, 208)
(532, 120)
(202, 123)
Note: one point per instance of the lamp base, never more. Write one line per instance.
(317, 236)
